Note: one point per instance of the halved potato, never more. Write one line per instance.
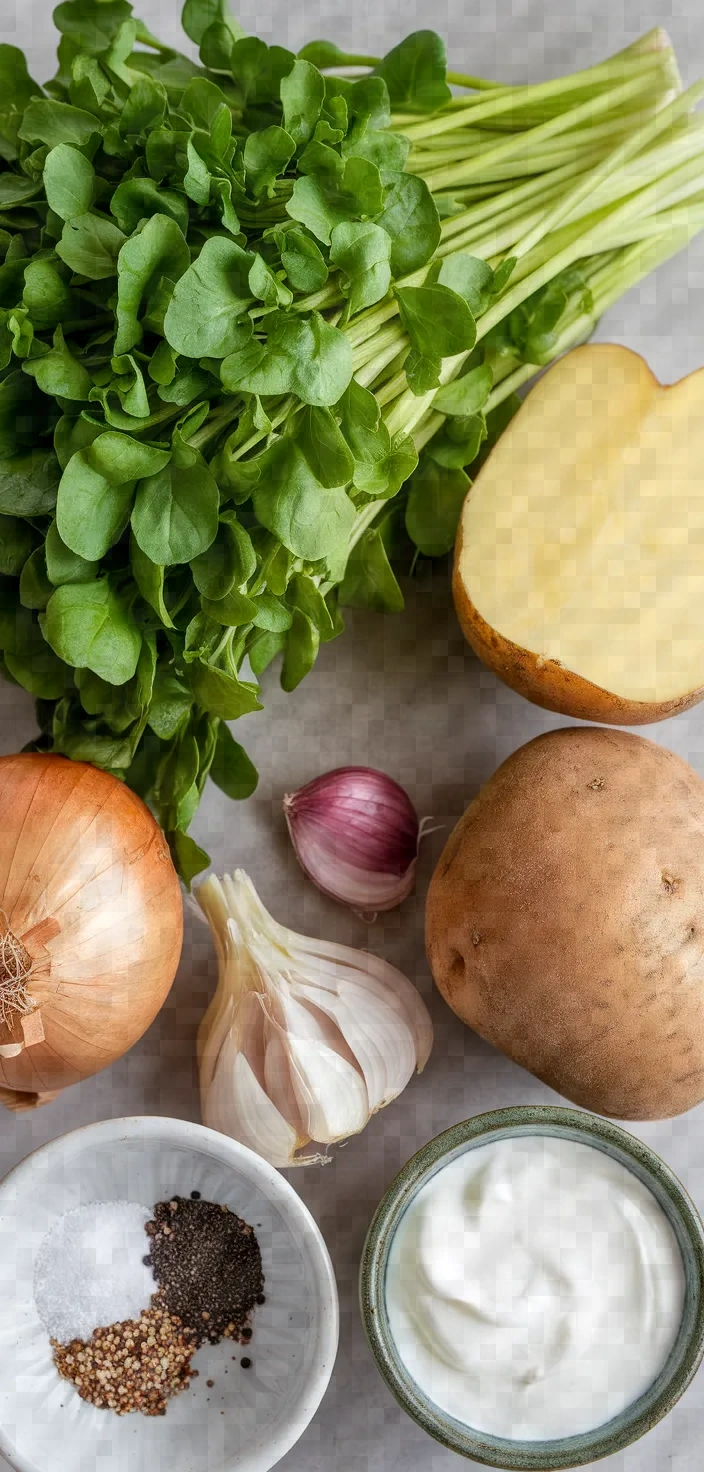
(579, 563)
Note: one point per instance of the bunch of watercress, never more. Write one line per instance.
(238, 297)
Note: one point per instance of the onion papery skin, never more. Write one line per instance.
(88, 886)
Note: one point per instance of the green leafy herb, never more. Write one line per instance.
(236, 299)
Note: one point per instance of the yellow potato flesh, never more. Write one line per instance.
(583, 535)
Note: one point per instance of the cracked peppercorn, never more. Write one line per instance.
(207, 1263)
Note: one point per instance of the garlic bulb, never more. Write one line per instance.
(304, 1040)
(356, 835)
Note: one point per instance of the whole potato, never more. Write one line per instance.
(565, 920)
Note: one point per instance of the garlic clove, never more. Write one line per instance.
(331, 1093)
(279, 1083)
(237, 1105)
(372, 971)
(378, 1038)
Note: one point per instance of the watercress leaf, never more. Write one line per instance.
(175, 515)
(317, 207)
(171, 703)
(197, 178)
(323, 54)
(222, 694)
(437, 320)
(89, 627)
(435, 500)
(129, 386)
(264, 647)
(46, 121)
(471, 278)
(290, 502)
(186, 387)
(90, 246)
(325, 447)
(162, 364)
(92, 513)
(145, 107)
(188, 858)
(216, 47)
(203, 636)
(453, 449)
(302, 97)
(231, 769)
(467, 395)
(305, 595)
(234, 610)
(29, 483)
(210, 299)
(271, 614)
(16, 190)
(31, 662)
(414, 72)
(150, 580)
(383, 475)
(329, 199)
(369, 581)
(201, 102)
(410, 217)
(304, 356)
(198, 15)
(91, 27)
(96, 489)
(69, 181)
(46, 295)
(227, 563)
(58, 373)
(363, 253)
(502, 276)
(16, 90)
(35, 588)
(266, 156)
(301, 260)
(258, 70)
(267, 287)
(16, 543)
(300, 651)
(63, 565)
(138, 199)
(158, 251)
(387, 151)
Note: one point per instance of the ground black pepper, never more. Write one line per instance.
(207, 1263)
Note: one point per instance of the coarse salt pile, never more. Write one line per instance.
(90, 1270)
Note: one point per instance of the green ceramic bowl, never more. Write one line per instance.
(573, 1451)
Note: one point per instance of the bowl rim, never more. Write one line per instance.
(631, 1424)
(230, 1152)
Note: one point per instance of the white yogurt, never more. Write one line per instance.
(534, 1288)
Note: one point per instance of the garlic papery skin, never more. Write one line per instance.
(355, 832)
(304, 1040)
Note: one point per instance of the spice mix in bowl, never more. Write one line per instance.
(165, 1297)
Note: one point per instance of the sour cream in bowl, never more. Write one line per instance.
(533, 1288)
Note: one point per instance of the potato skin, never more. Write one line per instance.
(546, 682)
(565, 920)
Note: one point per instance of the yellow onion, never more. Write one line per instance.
(91, 923)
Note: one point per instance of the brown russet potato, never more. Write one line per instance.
(565, 920)
(578, 573)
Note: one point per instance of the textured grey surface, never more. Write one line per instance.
(405, 694)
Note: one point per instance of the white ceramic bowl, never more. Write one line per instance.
(249, 1418)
